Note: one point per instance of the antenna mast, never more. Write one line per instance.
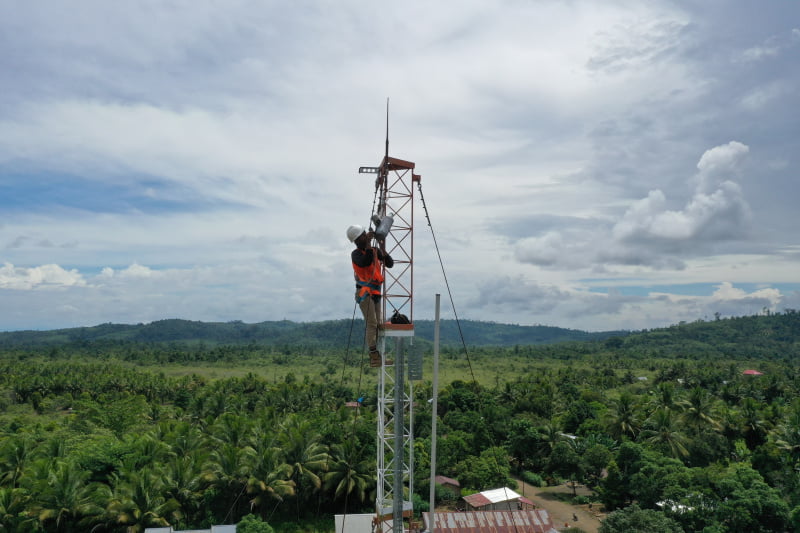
(386, 156)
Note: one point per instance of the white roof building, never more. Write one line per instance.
(495, 499)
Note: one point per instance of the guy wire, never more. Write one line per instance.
(458, 324)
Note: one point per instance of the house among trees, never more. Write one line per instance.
(503, 499)
(530, 521)
(449, 483)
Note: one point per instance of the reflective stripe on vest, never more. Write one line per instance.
(368, 278)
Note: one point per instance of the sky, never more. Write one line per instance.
(589, 165)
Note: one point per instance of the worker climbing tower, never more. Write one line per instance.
(394, 187)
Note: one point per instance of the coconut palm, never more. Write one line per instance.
(552, 435)
(661, 431)
(64, 499)
(184, 438)
(15, 454)
(269, 480)
(351, 474)
(753, 426)
(700, 411)
(623, 419)
(303, 452)
(182, 481)
(146, 449)
(228, 469)
(787, 434)
(234, 428)
(139, 500)
(665, 398)
(13, 505)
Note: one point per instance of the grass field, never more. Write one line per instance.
(484, 369)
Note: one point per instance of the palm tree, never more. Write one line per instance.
(787, 434)
(64, 497)
(184, 438)
(182, 480)
(624, 420)
(139, 500)
(351, 473)
(665, 398)
(13, 505)
(15, 454)
(234, 428)
(753, 426)
(700, 411)
(661, 432)
(227, 469)
(303, 452)
(146, 450)
(270, 477)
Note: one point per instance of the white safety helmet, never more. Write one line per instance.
(353, 232)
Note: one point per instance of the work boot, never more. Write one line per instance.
(375, 359)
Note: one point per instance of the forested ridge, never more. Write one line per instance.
(96, 435)
(330, 333)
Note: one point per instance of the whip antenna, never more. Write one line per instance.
(387, 131)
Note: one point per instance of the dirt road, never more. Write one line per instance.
(561, 512)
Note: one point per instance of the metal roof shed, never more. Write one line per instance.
(495, 499)
(531, 521)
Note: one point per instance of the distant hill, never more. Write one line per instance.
(331, 333)
(767, 336)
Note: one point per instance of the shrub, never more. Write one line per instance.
(253, 524)
(444, 494)
(531, 478)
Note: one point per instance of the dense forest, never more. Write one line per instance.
(326, 334)
(97, 435)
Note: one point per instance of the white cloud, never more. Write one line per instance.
(762, 96)
(770, 48)
(521, 301)
(136, 271)
(39, 277)
(758, 53)
(717, 210)
(650, 233)
(720, 161)
(727, 292)
(545, 250)
(722, 214)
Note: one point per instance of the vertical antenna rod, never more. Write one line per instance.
(387, 132)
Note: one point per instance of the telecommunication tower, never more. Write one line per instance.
(394, 186)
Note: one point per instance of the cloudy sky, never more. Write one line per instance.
(592, 165)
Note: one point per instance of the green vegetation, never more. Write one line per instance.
(116, 434)
(287, 335)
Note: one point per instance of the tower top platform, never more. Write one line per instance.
(398, 330)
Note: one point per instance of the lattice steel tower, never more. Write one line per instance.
(395, 189)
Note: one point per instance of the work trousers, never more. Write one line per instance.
(371, 309)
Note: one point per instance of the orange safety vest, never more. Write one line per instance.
(368, 278)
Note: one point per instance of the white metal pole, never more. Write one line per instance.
(397, 459)
(434, 410)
